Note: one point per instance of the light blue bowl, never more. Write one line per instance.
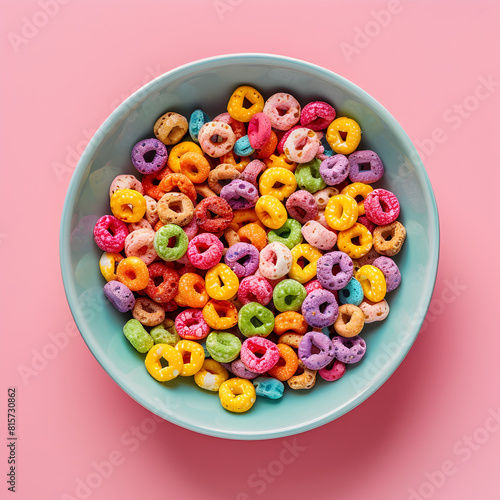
(208, 84)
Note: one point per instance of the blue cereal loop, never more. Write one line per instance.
(197, 119)
(268, 387)
(352, 293)
(242, 147)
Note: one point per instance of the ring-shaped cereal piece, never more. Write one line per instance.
(350, 320)
(147, 146)
(108, 263)
(341, 212)
(178, 151)
(373, 173)
(221, 283)
(309, 253)
(237, 126)
(242, 147)
(197, 119)
(243, 259)
(347, 144)
(326, 270)
(205, 251)
(317, 115)
(288, 295)
(268, 350)
(349, 350)
(220, 314)
(302, 206)
(151, 214)
(237, 395)
(346, 245)
(165, 333)
(167, 289)
(322, 197)
(305, 380)
(275, 261)
(191, 325)
(137, 335)
(195, 167)
(333, 372)
(290, 322)
(224, 347)
(255, 289)
(374, 311)
(193, 356)
(181, 182)
(318, 236)
(150, 183)
(291, 339)
(285, 179)
(269, 147)
(255, 320)
(119, 295)
(244, 217)
(154, 366)
(281, 161)
(268, 387)
(175, 208)
(192, 290)
(372, 280)
(217, 206)
(110, 234)
(232, 159)
(128, 205)
(308, 176)
(162, 242)
(140, 243)
(283, 110)
(322, 343)
(259, 130)
(271, 212)
(320, 309)
(254, 234)
(388, 240)
(334, 169)
(170, 128)
(287, 370)
(211, 375)
(289, 234)
(221, 173)
(358, 189)
(240, 194)
(148, 312)
(352, 293)
(382, 207)
(125, 182)
(391, 272)
(133, 273)
(252, 170)
(302, 145)
(216, 139)
(235, 105)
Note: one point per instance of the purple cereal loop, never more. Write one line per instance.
(119, 295)
(142, 148)
(324, 270)
(240, 195)
(240, 370)
(248, 253)
(312, 305)
(365, 176)
(334, 169)
(349, 350)
(318, 360)
(390, 270)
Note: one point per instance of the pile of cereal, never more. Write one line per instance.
(245, 254)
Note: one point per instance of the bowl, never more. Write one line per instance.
(208, 83)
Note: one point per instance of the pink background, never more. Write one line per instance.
(432, 431)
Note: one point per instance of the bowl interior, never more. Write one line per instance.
(208, 84)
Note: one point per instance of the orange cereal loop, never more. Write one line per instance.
(243, 217)
(281, 161)
(220, 314)
(178, 183)
(192, 290)
(195, 167)
(133, 273)
(204, 190)
(158, 225)
(287, 365)
(254, 234)
(150, 183)
(291, 339)
(178, 151)
(180, 300)
(268, 149)
(290, 322)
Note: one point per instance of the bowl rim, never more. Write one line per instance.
(64, 245)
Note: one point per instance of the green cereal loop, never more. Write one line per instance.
(255, 320)
(138, 336)
(288, 295)
(290, 234)
(165, 333)
(308, 177)
(162, 238)
(224, 347)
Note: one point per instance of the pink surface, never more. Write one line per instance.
(432, 431)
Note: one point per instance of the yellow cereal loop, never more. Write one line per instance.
(346, 245)
(173, 162)
(285, 179)
(221, 283)
(108, 263)
(211, 375)
(341, 212)
(128, 205)
(192, 355)
(373, 282)
(235, 105)
(237, 395)
(358, 189)
(169, 354)
(352, 135)
(308, 272)
(271, 211)
(281, 161)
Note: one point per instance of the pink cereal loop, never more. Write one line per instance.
(252, 171)
(282, 102)
(209, 135)
(302, 145)
(191, 325)
(259, 130)
(313, 285)
(255, 289)
(238, 127)
(317, 115)
(110, 234)
(260, 345)
(140, 243)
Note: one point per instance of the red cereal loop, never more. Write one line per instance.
(268, 149)
(191, 325)
(167, 289)
(150, 183)
(218, 206)
(255, 289)
(317, 115)
(381, 207)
